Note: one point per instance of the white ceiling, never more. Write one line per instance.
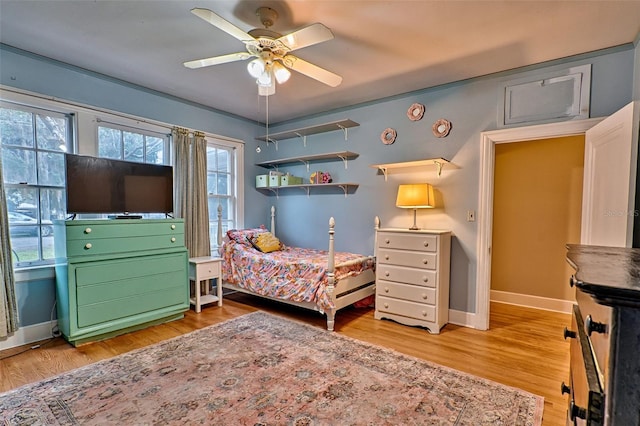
(381, 48)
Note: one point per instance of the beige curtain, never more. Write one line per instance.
(190, 189)
(8, 306)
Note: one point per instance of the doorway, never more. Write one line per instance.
(537, 210)
(489, 140)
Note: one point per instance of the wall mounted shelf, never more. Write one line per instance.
(346, 187)
(308, 159)
(303, 132)
(437, 162)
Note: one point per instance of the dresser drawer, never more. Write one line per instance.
(100, 246)
(587, 395)
(407, 258)
(407, 292)
(600, 342)
(123, 228)
(406, 308)
(401, 274)
(408, 241)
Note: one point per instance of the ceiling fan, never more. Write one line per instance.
(270, 49)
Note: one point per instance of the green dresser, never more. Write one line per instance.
(115, 276)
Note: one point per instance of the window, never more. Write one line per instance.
(136, 145)
(33, 143)
(140, 146)
(221, 188)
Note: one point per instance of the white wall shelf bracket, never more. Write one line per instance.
(345, 130)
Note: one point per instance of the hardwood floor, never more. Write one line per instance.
(524, 347)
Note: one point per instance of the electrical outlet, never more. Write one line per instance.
(471, 215)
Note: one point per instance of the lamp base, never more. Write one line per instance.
(414, 227)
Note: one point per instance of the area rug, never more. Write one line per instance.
(261, 369)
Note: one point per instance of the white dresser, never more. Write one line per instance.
(412, 277)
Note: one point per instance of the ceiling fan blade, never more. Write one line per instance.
(307, 36)
(216, 60)
(311, 70)
(223, 24)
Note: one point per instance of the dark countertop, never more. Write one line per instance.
(610, 274)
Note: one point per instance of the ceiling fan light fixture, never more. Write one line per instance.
(281, 73)
(256, 68)
(266, 78)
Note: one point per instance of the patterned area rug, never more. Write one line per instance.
(260, 369)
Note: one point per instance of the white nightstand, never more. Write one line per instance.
(205, 268)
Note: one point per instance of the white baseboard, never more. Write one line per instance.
(461, 318)
(546, 303)
(28, 334)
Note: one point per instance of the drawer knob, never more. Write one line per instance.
(564, 389)
(425, 296)
(386, 273)
(87, 230)
(386, 257)
(386, 241)
(386, 305)
(574, 281)
(426, 244)
(594, 326)
(386, 289)
(173, 239)
(173, 227)
(576, 412)
(425, 279)
(569, 334)
(424, 313)
(425, 261)
(88, 246)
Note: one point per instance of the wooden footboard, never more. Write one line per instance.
(343, 293)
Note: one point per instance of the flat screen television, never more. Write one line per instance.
(105, 186)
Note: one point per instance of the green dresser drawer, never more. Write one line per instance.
(97, 273)
(84, 229)
(123, 307)
(101, 246)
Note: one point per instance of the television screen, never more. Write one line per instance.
(101, 185)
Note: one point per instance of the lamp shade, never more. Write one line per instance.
(415, 196)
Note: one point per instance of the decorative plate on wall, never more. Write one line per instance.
(415, 112)
(441, 128)
(388, 136)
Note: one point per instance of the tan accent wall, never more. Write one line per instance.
(536, 211)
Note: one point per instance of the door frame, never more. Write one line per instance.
(488, 141)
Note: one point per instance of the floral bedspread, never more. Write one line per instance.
(293, 273)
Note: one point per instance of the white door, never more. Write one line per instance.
(610, 162)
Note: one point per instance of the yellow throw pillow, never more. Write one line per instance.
(266, 242)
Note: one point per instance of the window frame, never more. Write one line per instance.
(70, 143)
(236, 189)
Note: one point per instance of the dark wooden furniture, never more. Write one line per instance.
(604, 386)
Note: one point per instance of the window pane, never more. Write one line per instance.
(52, 205)
(23, 200)
(19, 166)
(24, 244)
(48, 252)
(51, 169)
(212, 163)
(155, 150)
(51, 132)
(109, 141)
(213, 208)
(16, 127)
(223, 161)
(211, 183)
(223, 184)
(133, 147)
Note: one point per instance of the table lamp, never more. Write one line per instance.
(415, 196)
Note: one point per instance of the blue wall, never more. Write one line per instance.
(472, 107)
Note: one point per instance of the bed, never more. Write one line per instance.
(322, 280)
